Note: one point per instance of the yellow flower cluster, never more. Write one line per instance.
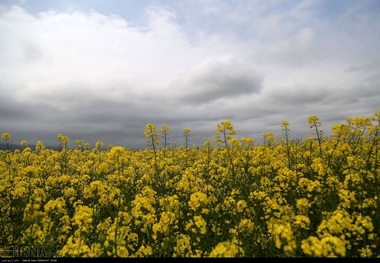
(234, 197)
(227, 249)
(329, 246)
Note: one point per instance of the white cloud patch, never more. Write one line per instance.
(295, 51)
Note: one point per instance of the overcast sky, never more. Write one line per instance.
(101, 70)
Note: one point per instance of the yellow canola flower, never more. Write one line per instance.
(347, 198)
(143, 211)
(55, 206)
(119, 241)
(35, 233)
(241, 205)
(310, 185)
(102, 168)
(337, 223)
(170, 203)
(197, 199)
(83, 218)
(285, 126)
(313, 120)
(188, 182)
(318, 166)
(165, 225)
(365, 222)
(144, 251)
(32, 212)
(284, 238)
(20, 190)
(328, 246)
(351, 229)
(227, 249)
(183, 246)
(257, 195)
(6, 136)
(246, 226)
(95, 250)
(197, 225)
(303, 205)
(75, 247)
(95, 187)
(301, 221)
(70, 193)
(365, 252)
(200, 223)
(117, 153)
(150, 193)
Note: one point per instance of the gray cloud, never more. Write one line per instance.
(94, 76)
(217, 79)
(299, 95)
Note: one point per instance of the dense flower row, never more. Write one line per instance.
(318, 197)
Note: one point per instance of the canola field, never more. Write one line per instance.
(315, 197)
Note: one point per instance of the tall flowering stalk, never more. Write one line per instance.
(152, 139)
(6, 137)
(315, 123)
(285, 129)
(165, 136)
(225, 139)
(186, 137)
